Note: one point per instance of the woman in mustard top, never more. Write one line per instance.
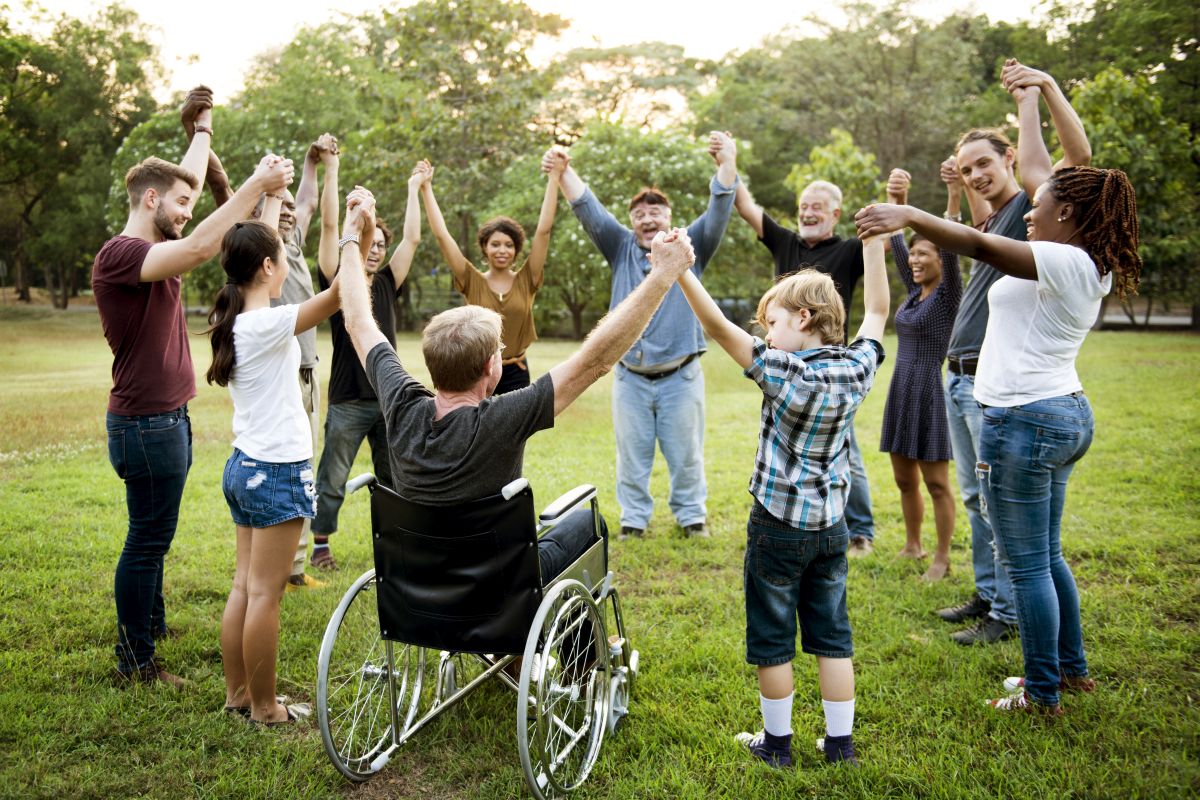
(503, 286)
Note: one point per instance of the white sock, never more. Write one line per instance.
(839, 717)
(777, 715)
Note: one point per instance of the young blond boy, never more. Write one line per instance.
(795, 566)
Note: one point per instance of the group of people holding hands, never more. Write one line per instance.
(1048, 242)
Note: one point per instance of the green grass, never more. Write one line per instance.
(1130, 532)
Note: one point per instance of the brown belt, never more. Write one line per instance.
(962, 366)
(518, 360)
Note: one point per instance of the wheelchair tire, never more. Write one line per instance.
(564, 693)
(353, 691)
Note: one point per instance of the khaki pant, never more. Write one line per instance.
(310, 395)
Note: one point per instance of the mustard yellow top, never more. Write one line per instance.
(515, 306)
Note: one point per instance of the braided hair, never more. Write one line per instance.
(1106, 214)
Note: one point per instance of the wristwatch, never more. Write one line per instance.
(345, 240)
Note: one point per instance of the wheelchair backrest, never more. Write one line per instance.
(463, 578)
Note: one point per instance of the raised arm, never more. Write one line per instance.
(875, 291)
(733, 340)
(451, 253)
(327, 249)
(670, 255)
(723, 150)
(1077, 152)
(541, 237)
(272, 204)
(168, 259)
(748, 209)
(217, 180)
(318, 308)
(402, 257)
(899, 181)
(306, 195)
(196, 116)
(1007, 255)
(356, 297)
(708, 229)
(569, 181)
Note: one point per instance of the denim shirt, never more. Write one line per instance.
(673, 332)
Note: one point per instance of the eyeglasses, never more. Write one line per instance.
(378, 246)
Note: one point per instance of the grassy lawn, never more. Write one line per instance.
(1130, 532)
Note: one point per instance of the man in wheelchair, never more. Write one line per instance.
(459, 443)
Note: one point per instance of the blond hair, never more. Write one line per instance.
(154, 173)
(815, 291)
(458, 343)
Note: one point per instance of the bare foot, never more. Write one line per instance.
(937, 570)
(912, 552)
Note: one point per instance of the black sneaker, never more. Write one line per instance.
(974, 608)
(627, 532)
(698, 530)
(838, 749)
(985, 631)
(774, 750)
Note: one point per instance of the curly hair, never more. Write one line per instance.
(1106, 215)
(506, 225)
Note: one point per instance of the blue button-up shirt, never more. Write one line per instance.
(673, 332)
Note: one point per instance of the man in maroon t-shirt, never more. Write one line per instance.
(135, 279)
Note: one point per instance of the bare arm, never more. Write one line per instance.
(670, 255)
(1033, 159)
(318, 308)
(541, 238)
(733, 340)
(451, 253)
(356, 297)
(168, 259)
(875, 290)
(272, 203)
(327, 249)
(1077, 152)
(402, 257)
(197, 110)
(1007, 255)
(748, 209)
(218, 180)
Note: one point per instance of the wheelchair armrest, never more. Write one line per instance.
(354, 484)
(567, 502)
(513, 489)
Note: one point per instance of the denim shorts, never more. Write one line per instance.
(795, 574)
(261, 494)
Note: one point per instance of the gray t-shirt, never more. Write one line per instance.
(298, 287)
(970, 324)
(470, 453)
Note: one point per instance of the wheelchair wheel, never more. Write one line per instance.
(353, 687)
(564, 694)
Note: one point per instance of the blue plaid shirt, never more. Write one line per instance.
(802, 470)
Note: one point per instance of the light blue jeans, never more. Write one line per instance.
(859, 519)
(669, 411)
(1026, 454)
(966, 417)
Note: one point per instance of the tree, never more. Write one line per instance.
(841, 162)
(68, 101)
(617, 161)
(1128, 130)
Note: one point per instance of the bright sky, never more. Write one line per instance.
(215, 41)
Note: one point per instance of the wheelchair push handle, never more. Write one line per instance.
(354, 484)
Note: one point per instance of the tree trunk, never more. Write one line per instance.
(1196, 316)
(1149, 305)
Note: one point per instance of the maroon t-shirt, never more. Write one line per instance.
(144, 325)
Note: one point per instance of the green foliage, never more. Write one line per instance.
(841, 162)
(68, 100)
(1128, 130)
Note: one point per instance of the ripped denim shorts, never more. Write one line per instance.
(261, 494)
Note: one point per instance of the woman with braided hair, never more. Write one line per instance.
(1037, 423)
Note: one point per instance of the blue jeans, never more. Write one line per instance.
(563, 544)
(1026, 454)
(858, 515)
(262, 494)
(670, 411)
(346, 425)
(965, 418)
(152, 454)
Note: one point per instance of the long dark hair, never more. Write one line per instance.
(243, 249)
(1106, 213)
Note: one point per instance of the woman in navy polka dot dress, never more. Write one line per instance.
(915, 430)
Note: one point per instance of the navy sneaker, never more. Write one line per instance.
(838, 749)
(776, 751)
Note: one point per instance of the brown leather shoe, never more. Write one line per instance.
(152, 673)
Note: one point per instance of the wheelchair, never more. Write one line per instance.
(455, 597)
